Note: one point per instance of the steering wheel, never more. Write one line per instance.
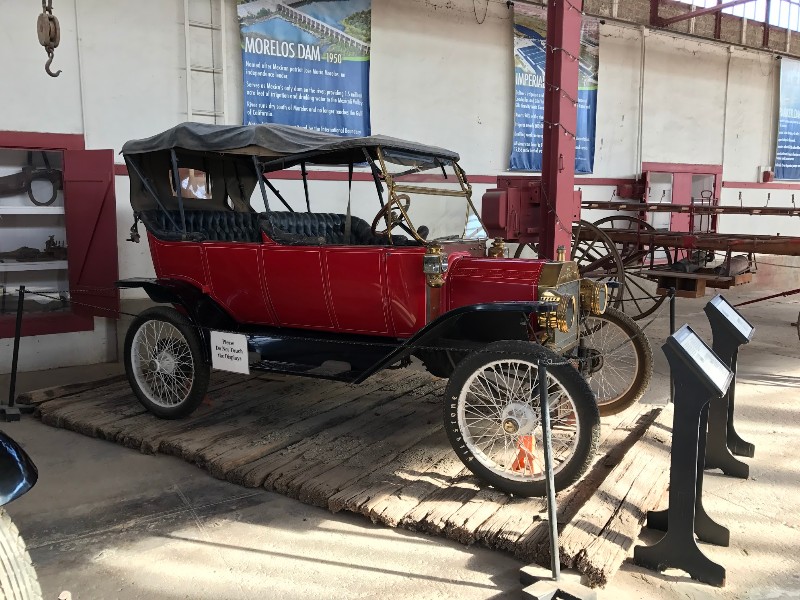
(395, 218)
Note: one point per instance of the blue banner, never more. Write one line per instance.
(787, 152)
(530, 30)
(306, 63)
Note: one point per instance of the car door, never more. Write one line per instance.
(295, 284)
(357, 286)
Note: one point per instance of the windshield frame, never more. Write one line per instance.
(397, 188)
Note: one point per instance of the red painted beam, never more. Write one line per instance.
(701, 12)
(122, 170)
(654, 20)
(35, 140)
(700, 169)
(757, 185)
(590, 181)
(560, 124)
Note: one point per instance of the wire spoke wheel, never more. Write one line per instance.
(620, 360)
(164, 362)
(494, 421)
(500, 415)
(639, 297)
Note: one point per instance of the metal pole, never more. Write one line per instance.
(671, 331)
(555, 562)
(12, 386)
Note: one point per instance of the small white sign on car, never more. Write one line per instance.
(229, 352)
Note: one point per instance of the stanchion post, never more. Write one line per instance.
(9, 412)
(546, 587)
(547, 442)
(671, 331)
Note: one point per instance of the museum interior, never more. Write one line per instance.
(408, 299)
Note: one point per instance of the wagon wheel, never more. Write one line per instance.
(640, 296)
(598, 258)
(596, 255)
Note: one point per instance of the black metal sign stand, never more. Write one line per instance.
(730, 331)
(543, 584)
(706, 528)
(9, 412)
(698, 375)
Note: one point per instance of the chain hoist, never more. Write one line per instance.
(49, 34)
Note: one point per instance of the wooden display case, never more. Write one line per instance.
(57, 233)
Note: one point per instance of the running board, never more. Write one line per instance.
(329, 369)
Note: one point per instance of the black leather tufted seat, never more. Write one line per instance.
(204, 225)
(324, 228)
(296, 228)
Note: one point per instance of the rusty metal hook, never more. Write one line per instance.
(50, 56)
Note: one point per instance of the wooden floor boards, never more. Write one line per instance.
(376, 449)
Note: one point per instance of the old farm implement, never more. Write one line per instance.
(623, 247)
(649, 261)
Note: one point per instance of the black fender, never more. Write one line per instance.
(18, 474)
(199, 307)
(468, 327)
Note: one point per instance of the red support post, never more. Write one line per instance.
(655, 20)
(560, 123)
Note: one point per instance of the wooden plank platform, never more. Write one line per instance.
(377, 449)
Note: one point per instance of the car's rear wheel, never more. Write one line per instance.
(164, 362)
(492, 417)
(620, 360)
(18, 579)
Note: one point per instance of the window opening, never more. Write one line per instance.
(195, 184)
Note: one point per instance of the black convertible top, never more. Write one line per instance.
(272, 141)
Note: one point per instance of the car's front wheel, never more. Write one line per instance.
(164, 362)
(492, 416)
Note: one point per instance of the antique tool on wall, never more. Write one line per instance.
(49, 32)
(11, 185)
(53, 250)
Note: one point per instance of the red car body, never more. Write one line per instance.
(374, 290)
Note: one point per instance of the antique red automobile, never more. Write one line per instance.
(317, 290)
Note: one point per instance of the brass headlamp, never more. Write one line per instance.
(563, 318)
(594, 296)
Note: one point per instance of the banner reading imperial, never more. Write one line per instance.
(306, 63)
(787, 152)
(530, 30)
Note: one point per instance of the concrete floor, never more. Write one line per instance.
(108, 522)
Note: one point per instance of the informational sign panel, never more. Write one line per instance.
(787, 153)
(229, 352)
(530, 31)
(705, 359)
(733, 316)
(306, 63)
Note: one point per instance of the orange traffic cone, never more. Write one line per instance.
(525, 454)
